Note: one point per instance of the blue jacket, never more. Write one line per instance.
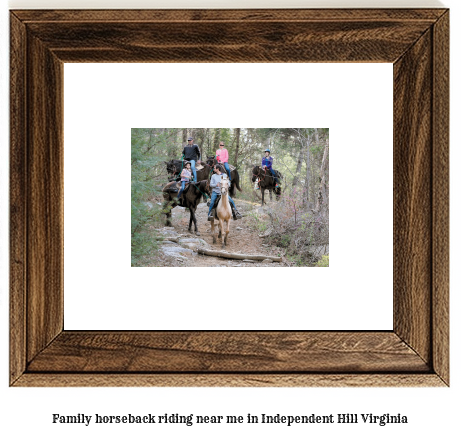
(267, 161)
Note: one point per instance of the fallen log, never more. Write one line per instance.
(239, 256)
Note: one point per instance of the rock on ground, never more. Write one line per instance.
(170, 250)
(192, 243)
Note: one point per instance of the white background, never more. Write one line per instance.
(429, 410)
(103, 102)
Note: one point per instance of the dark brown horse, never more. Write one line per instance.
(190, 198)
(235, 177)
(174, 168)
(266, 181)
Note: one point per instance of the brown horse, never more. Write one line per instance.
(235, 182)
(266, 181)
(174, 168)
(190, 199)
(224, 213)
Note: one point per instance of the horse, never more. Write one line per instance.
(190, 199)
(174, 168)
(235, 182)
(224, 214)
(266, 181)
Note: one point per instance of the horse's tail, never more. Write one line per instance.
(232, 190)
(236, 182)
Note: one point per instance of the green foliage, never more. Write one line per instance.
(144, 158)
(284, 240)
(296, 259)
(324, 261)
(257, 223)
(144, 247)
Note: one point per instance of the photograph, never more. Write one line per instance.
(230, 197)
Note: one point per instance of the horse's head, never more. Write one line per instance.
(224, 185)
(255, 173)
(170, 167)
(173, 166)
(210, 160)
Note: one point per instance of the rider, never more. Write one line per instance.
(214, 183)
(186, 175)
(267, 163)
(191, 152)
(222, 156)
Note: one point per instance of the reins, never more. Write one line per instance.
(261, 176)
(199, 190)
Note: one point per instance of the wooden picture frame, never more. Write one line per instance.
(414, 353)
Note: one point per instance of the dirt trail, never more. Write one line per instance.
(243, 237)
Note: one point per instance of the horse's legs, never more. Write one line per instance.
(278, 193)
(221, 231)
(166, 207)
(262, 196)
(213, 232)
(270, 194)
(227, 224)
(190, 220)
(194, 218)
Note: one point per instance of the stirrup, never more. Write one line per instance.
(210, 216)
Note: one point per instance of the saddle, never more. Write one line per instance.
(215, 210)
(231, 167)
(175, 187)
(218, 199)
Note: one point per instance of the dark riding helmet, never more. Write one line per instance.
(267, 150)
(186, 162)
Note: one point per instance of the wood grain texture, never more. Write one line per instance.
(357, 41)
(414, 354)
(441, 212)
(246, 15)
(230, 380)
(413, 196)
(225, 351)
(45, 247)
(18, 211)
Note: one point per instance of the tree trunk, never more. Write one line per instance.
(308, 169)
(322, 199)
(227, 255)
(298, 166)
(201, 133)
(237, 137)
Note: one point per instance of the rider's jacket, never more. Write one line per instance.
(267, 161)
(191, 153)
